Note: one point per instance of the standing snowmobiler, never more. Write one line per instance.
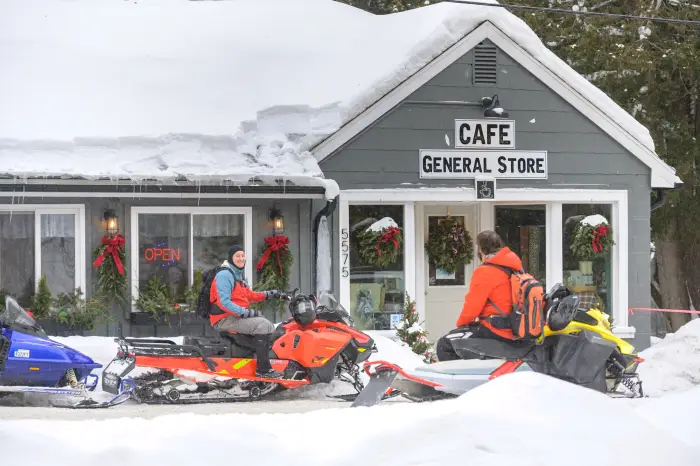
(503, 302)
(230, 298)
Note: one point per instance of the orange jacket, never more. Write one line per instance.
(490, 282)
(237, 303)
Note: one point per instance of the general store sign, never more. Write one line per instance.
(485, 134)
(462, 164)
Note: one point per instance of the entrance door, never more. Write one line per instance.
(444, 292)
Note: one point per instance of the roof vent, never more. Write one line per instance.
(485, 64)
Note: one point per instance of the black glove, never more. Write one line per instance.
(254, 313)
(272, 294)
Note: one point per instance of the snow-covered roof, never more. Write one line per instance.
(213, 88)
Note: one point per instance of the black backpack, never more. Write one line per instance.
(205, 307)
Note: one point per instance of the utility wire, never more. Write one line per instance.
(572, 12)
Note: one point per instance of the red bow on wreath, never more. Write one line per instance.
(273, 243)
(390, 235)
(115, 244)
(600, 232)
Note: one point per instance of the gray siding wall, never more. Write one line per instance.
(298, 224)
(580, 155)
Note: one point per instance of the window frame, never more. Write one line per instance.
(409, 242)
(78, 211)
(247, 213)
(414, 198)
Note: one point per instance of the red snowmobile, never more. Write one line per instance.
(317, 344)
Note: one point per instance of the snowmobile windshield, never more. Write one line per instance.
(14, 315)
(330, 305)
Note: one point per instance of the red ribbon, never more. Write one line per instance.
(273, 243)
(390, 235)
(115, 244)
(600, 232)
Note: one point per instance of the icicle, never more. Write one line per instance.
(323, 257)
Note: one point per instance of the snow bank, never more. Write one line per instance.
(676, 413)
(526, 419)
(165, 79)
(673, 363)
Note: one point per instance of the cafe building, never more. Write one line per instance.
(489, 136)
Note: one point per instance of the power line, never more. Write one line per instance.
(572, 12)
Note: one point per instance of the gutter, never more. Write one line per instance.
(327, 211)
(662, 195)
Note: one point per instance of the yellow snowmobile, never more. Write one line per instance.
(577, 345)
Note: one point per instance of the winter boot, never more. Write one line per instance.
(263, 368)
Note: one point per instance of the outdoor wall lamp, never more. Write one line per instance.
(111, 222)
(493, 107)
(277, 220)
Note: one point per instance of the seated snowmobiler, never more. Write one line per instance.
(488, 304)
(232, 295)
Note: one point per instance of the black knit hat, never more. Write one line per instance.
(233, 250)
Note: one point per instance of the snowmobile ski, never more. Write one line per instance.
(123, 394)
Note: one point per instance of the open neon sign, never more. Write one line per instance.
(162, 253)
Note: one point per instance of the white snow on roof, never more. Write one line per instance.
(113, 80)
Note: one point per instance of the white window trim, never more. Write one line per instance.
(247, 212)
(409, 245)
(78, 210)
(553, 198)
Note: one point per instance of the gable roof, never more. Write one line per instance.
(548, 68)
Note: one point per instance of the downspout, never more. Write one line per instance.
(662, 196)
(327, 211)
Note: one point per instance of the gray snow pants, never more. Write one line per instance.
(245, 326)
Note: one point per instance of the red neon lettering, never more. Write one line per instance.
(165, 254)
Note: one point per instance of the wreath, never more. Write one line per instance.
(110, 260)
(592, 238)
(450, 245)
(274, 266)
(380, 244)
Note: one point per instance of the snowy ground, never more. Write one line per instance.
(525, 419)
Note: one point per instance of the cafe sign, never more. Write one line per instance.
(485, 134)
(469, 164)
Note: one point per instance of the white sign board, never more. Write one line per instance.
(485, 134)
(461, 164)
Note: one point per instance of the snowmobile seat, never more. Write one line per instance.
(476, 367)
(466, 348)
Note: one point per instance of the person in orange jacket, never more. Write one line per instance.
(232, 295)
(489, 288)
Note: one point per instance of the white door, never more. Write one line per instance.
(444, 293)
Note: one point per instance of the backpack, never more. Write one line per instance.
(205, 307)
(527, 314)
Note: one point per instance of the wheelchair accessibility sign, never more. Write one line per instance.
(485, 189)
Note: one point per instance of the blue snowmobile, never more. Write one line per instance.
(30, 362)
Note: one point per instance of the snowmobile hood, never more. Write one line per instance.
(49, 350)
(506, 258)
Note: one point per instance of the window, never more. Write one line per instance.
(590, 279)
(174, 243)
(375, 292)
(40, 240)
(523, 230)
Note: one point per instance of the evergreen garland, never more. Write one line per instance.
(112, 282)
(450, 246)
(274, 268)
(380, 248)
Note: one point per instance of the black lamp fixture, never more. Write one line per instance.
(277, 220)
(111, 222)
(493, 108)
